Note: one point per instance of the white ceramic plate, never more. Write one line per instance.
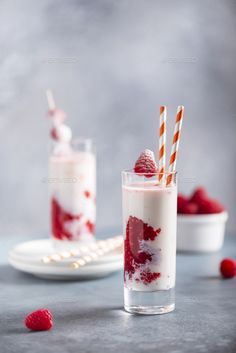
(33, 251)
(27, 257)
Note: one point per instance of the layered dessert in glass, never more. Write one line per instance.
(73, 194)
(149, 199)
(149, 226)
(72, 179)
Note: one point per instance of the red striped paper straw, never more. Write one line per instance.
(175, 143)
(162, 142)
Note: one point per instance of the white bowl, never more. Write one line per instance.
(201, 233)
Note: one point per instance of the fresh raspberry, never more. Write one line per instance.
(190, 208)
(228, 268)
(198, 195)
(181, 203)
(146, 164)
(40, 320)
(209, 206)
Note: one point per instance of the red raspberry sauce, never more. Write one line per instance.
(136, 232)
(87, 194)
(58, 219)
(91, 227)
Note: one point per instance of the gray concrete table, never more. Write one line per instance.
(89, 317)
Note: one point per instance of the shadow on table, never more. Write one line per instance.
(68, 320)
(9, 275)
(209, 278)
(81, 316)
(14, 331)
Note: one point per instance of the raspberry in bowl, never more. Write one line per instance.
(201, 222)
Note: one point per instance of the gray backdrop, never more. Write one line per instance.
(111, 64)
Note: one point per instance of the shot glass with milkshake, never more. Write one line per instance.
(149, 193)
(72, 177)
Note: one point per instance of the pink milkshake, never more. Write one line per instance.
(149, 227)
(73, 195)
(72, 177)
(150, 236)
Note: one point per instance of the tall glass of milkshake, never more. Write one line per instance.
(72, 178)
(73, 193)
(149, 226)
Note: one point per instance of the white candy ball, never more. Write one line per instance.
(64, 133)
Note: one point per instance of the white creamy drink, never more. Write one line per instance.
(72, 178)
(73, 196)
(150, 225)
(149, 216)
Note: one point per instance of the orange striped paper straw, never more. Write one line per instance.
(175, 143)
(162, 142)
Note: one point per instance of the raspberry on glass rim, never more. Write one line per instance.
(146, 164)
